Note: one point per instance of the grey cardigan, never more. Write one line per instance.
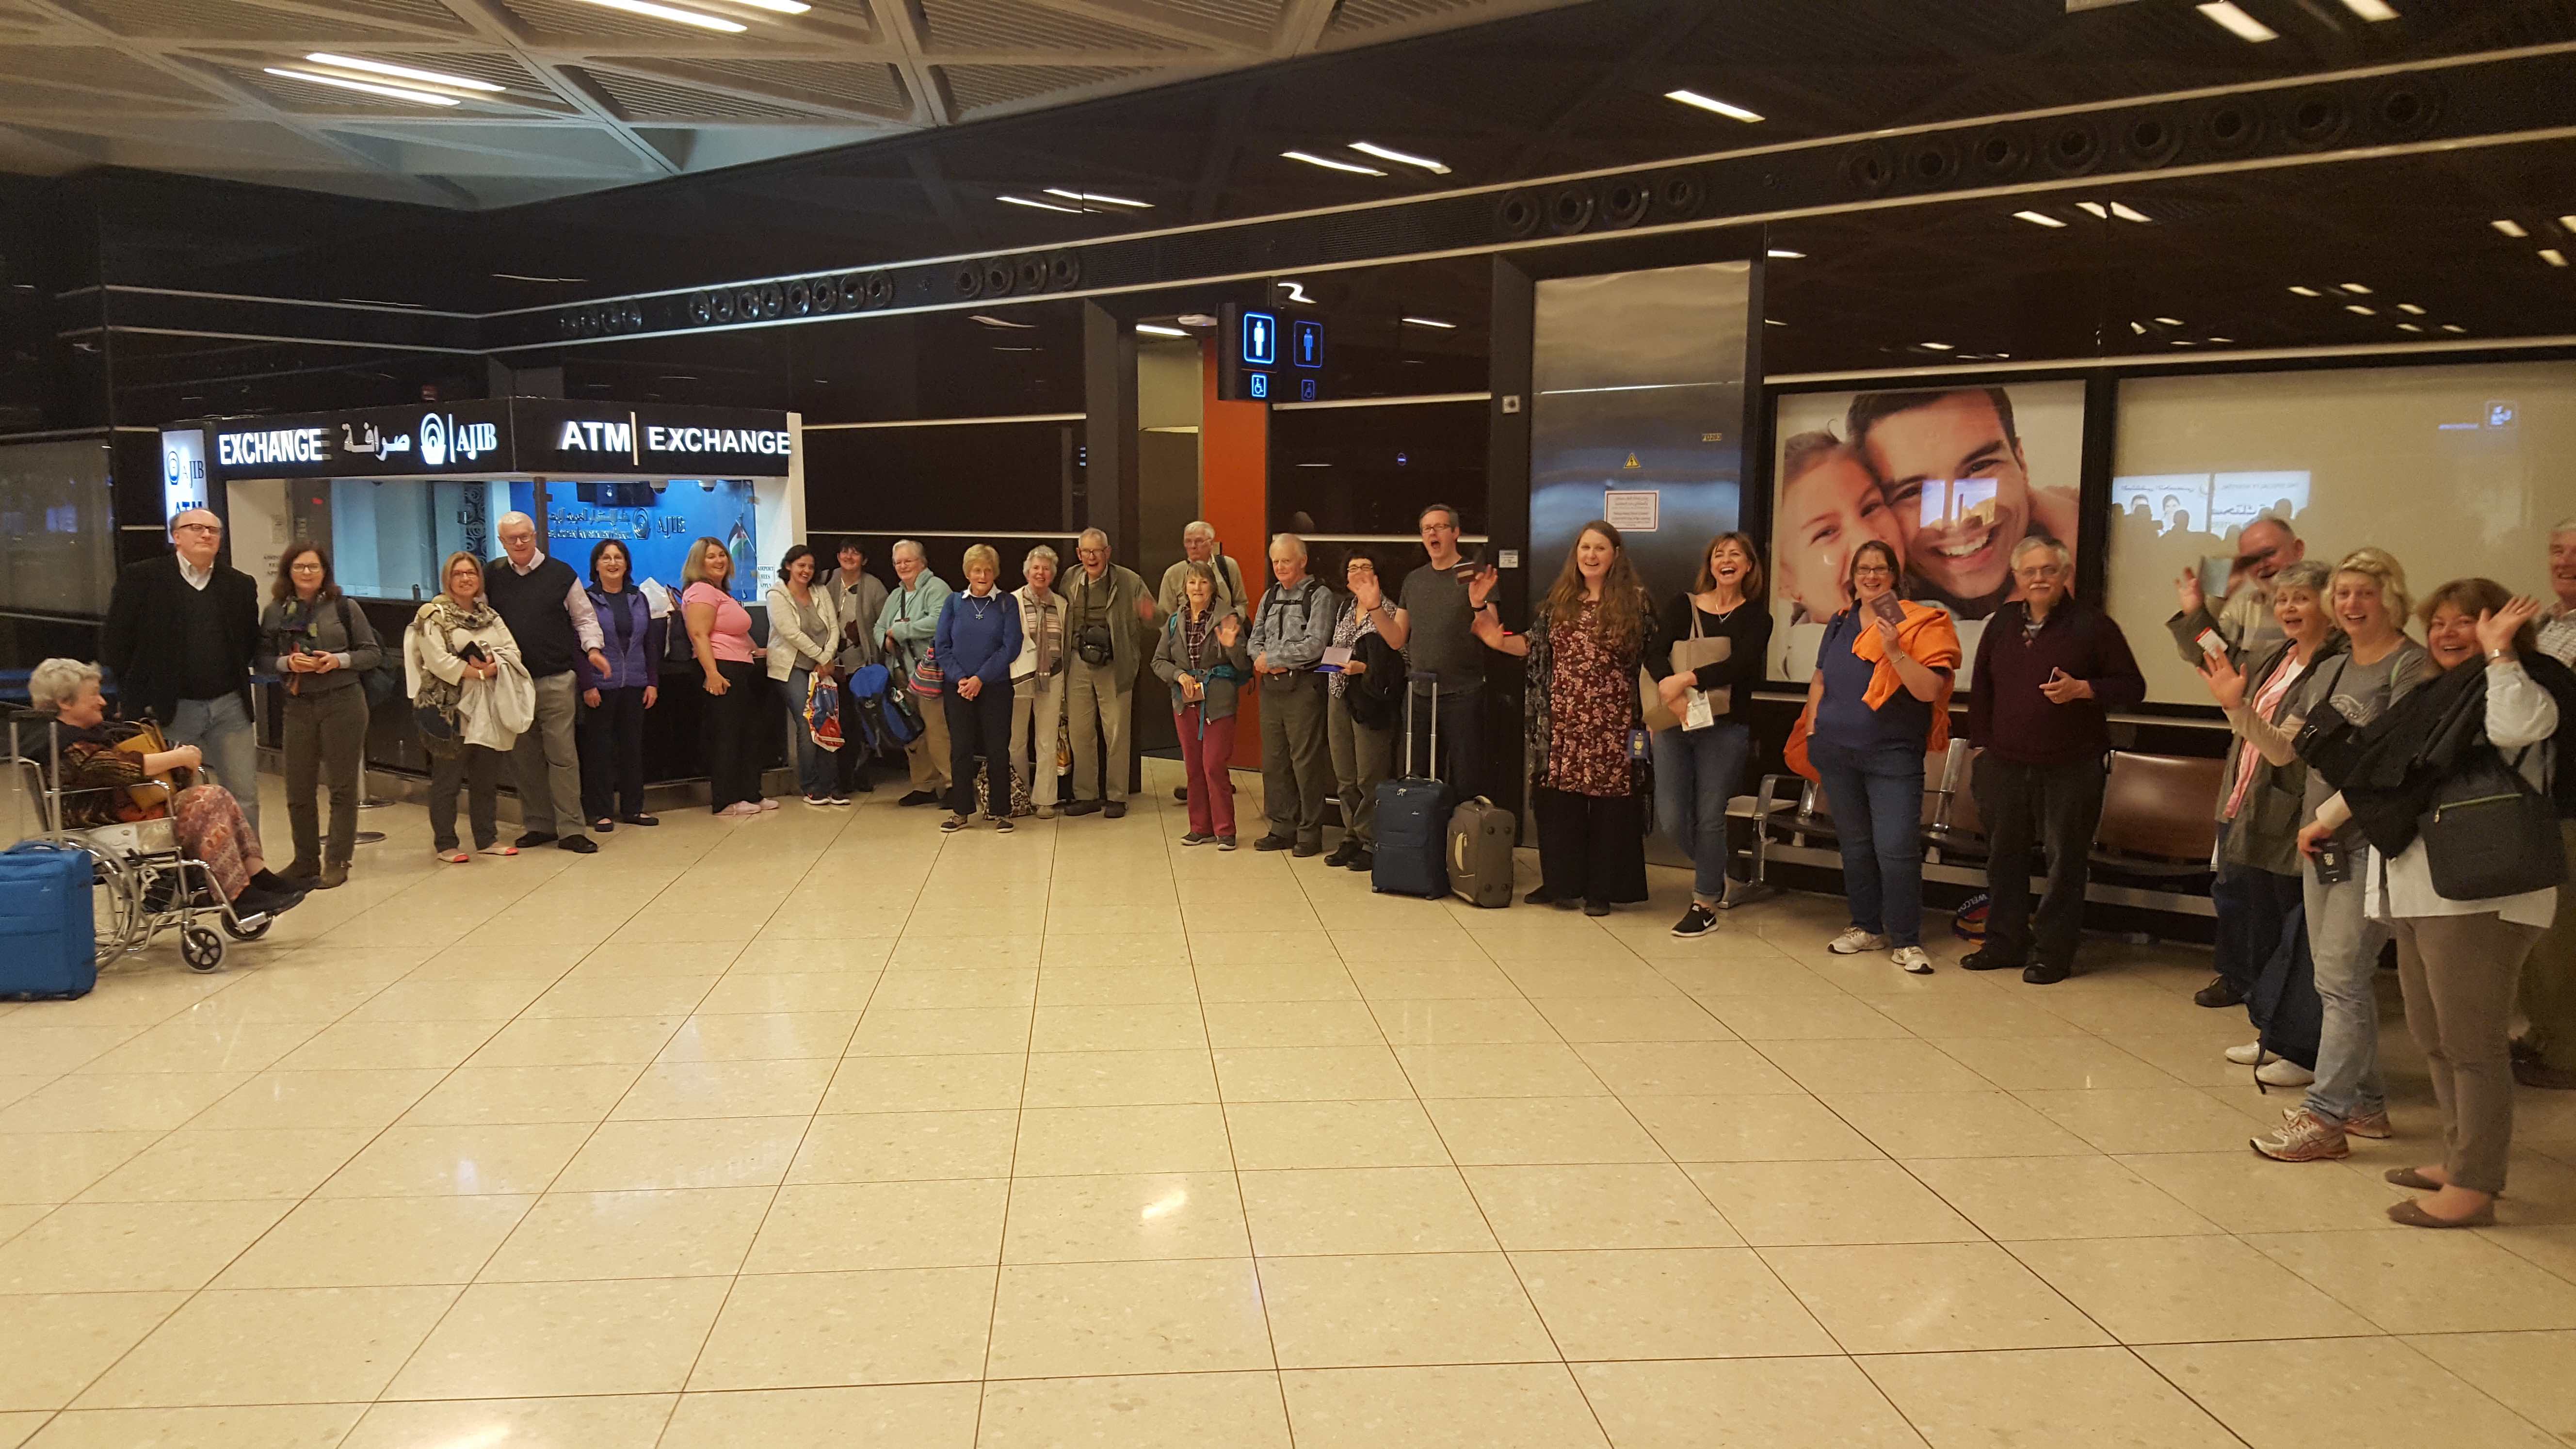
(1171, 660)
(321, 629)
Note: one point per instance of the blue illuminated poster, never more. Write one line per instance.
(1260, 339)
(657, 527)
(1307, 343)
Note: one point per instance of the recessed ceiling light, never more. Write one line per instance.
(2038, 218)
(2099, 211)
(1711, 103)
(1040, 205)
(2183, 342)
(397, 93)
(1939, 347)
(777, 7)
(998, 348)
(2568, 222)
(2215, 340)
(2125, 212)
(1101, 197)
(1432, 322)
(2373, 10)
(674, 14)
(2508, 226)
(2307, 291)
(1400, 158)
(2357, 289)
(992, 321)
(2454, 327)
(1786, 255)
(2170, 321)
(1773, 322)
(2410, 309)
(1156, 329)
(2359, 310)
(2237, 23)
(2553, 256)
(402, 72)
(2408, 327)
(1329, 164)
(2140, 328)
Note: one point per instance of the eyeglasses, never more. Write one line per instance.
(198, 528)
(1873, 571)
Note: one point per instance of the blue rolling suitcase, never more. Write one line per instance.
(1413, 818)
(48, 950)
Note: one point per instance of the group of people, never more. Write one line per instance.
(2351, 742)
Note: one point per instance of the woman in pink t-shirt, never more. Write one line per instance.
(720, 636)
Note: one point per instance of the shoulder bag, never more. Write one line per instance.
(385, 680)
(1693, 650)
(2489, 834)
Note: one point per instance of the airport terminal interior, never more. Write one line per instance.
(1566, 1073)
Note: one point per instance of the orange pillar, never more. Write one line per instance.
(1234, 496)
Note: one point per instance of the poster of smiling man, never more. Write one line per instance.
(1951, 478)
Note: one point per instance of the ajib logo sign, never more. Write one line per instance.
(443, 438)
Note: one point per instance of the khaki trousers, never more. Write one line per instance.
(2459, 974)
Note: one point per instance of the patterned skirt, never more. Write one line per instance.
(213, 829)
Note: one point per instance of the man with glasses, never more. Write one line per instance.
(2048, 673)
(2243, 619)
(182, 631)
(1432, 622)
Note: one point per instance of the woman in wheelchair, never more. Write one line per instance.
(99, 779)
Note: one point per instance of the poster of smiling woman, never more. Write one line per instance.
(1951, 478)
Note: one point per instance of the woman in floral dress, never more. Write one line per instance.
(1590, 783)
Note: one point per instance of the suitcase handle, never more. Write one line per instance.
(1412, 691)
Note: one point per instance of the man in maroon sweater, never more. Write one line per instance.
(2048, 673)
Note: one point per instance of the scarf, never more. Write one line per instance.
(1932, 640)
(1045, 628)
(1195, 633)
(443, 614)
(1346, 635)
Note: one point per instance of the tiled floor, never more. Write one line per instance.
(826, 1129)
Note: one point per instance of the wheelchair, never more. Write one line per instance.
(143, 883)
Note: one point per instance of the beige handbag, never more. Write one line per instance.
(1689, 653)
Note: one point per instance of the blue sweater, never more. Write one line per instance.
(981, 643)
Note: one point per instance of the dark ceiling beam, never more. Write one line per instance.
(1651, 52)
(1224, 141)
(933, 179)
(490, 20)
(1301, 26)
(903, 23)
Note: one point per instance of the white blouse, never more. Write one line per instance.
(2520, 714)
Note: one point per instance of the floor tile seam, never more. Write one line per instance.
(1484, 1216)
(1019, 1128)
(2247, 1238)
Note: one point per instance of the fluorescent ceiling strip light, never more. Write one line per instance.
(2357, 289)
(2568, 222)
(1102, 197)
(1156, 329)
(2039, 218)
(2125, 212)
(397, 93)
(2454, 327)
(1040, 205)
(2408, 327)
(2237, 23)
(2359, 310)
(1712, 103)
(1786, 255)
(1940, 347)
(777, 7)
(2307, 291)
(674, 14)
(1400, 158)
(2170, 321)
(1431, 322)
(402, 72)
(2100, 212)
(2553, 256)
(1329, 164)
(992, 321)
(2509, 227)
(2410, 309)
(2371, 10)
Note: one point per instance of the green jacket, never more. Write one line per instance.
(1111, 601)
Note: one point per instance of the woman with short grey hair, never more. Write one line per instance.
(1037, 680)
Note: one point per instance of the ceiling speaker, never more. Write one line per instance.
(1868, 170)
(2316, 118)
(2074, 149)
(2406, 108)
(2230, 128)
(1518, 215)
(1064, 269)
(2153, 139)
(1679, 194)
(1569, 209)
(968, 283)
(1624, 202)
(2000, 155)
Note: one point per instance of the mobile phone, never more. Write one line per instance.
(2334, 863)
(2210, 644)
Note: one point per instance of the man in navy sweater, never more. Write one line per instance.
(2048, 673)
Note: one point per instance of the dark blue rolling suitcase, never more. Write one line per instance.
(48, 949)
(1411, 858)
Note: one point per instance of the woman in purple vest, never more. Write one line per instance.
(613, 704)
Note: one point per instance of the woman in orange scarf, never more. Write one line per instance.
(1880, 699)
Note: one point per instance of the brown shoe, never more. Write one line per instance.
(2410, 1179)
(2411, 1214)
(333, 876)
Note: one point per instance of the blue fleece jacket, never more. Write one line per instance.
(979, 637)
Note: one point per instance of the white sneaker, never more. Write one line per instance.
(1855, 941)
(2282, 1072)
(1912, 958)
(2251, 1055)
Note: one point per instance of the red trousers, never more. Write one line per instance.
(1208, 761)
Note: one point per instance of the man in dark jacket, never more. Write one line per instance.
(181, 634)
(2048, 673)
(550, 615)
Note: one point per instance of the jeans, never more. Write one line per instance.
(2345, 944)
(547, 762)
(1037, 717)
(1876, 798)
(612, 755)
(325, 741)
(1207, 762)
(979, 726)
(2064, 804)
(2262, 920)
(1458, 754)
(476, 769)
(2458, 973)
(221, 728)
(1296, 763)
(1363, 758)
(815, 772)
(1696, 775)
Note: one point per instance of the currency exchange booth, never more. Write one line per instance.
(392, 492)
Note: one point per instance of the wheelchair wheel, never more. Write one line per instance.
(120, 923)
(201, 948)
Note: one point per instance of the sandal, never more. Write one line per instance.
(453, 857)
(497, 848)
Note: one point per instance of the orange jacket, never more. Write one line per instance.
(1930, 637)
